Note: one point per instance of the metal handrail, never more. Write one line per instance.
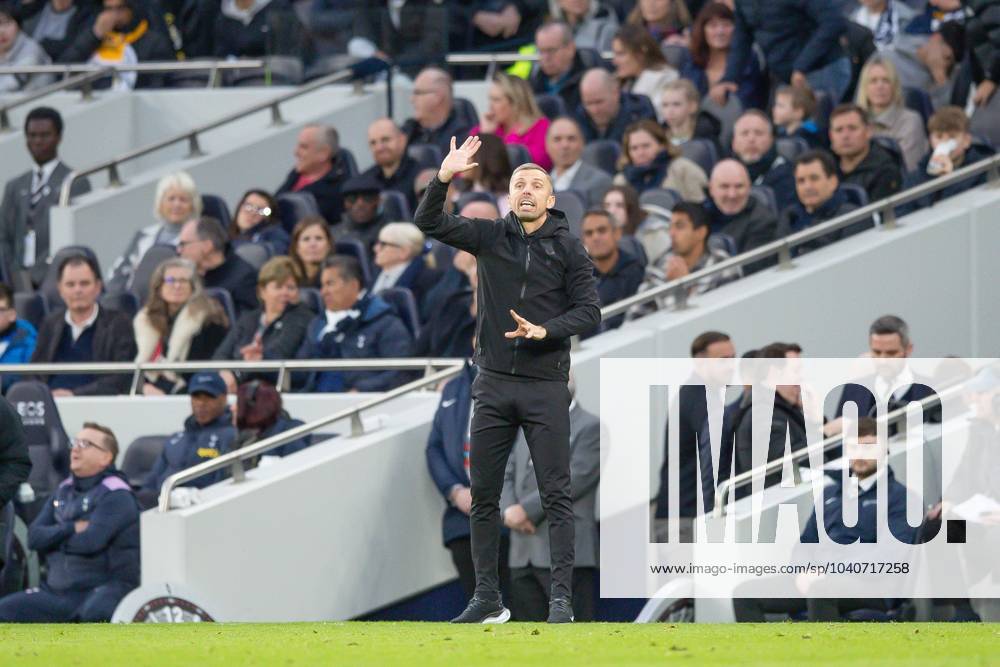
(234, 460)
(84, 79)
(783, 247)
(147, 67)
(282, 367)
(191, 136)
(726, 487)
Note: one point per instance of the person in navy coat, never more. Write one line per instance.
(448, 463)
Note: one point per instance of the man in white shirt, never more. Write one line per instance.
(564, 144)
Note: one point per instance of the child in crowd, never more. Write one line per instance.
(792, 115)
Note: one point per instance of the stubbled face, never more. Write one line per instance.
(812, 186)
(730, 188)
(600, 237)
(79, 288)
(564, 143)
(752, 138)
(849, 135)
(864, 455)
(530, 194)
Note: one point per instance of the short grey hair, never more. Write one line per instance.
(405, 234)
(328, 135)
(536, 167)
(207, 228)
(891, 324)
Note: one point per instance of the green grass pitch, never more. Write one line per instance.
(513, 644)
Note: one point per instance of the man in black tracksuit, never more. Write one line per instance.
(531, 270)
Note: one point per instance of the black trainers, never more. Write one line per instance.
(483, 611)
(560, 611)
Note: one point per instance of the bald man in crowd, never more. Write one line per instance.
(435, 119)
(319, 170)
(734, 211)
(605, 110)
(564, 144)
(394, 169)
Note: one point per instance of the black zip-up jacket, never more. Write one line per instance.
(546, 277)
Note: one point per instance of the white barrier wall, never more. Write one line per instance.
(347, 531)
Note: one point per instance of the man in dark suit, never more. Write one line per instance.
(24, 213)
(894, 383)
(319, 169)
(692, 415)
(564, 144)
(84, 332)
(523, 514)
(393, 168)
(448, 463)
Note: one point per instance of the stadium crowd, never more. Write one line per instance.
(713, 129)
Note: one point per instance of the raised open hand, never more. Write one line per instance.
(526, 329)
(459, 159)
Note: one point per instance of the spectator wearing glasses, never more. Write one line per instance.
(593, 25)
(560, 66)
(257, 221)
(17, 336)
(178, 323)
(434, 120)
(393, 168)
(84, 332)
(208, 434)
(363, 219)
(205, 243)
(88, 533)
(177, 201)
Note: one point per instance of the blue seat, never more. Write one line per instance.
(395, 206)
(405, 305)
(724, 242)
(918, 100)
(702, 152)
(30, 306)
(856, 194)
(518, 155)
(356, 249)
(311, 298)
(48, 444)
(766, 196)
(791, 147)
(293, 206)
(215, 206)
(553, 106)
(154, 256)
(225, 300)
(665, 198)
(427, 156)
(574, 205)
(254, 254)
(347, 157)
(603, 154)
(466, 111)
(124, 302)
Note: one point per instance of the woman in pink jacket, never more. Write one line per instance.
(514, 116)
